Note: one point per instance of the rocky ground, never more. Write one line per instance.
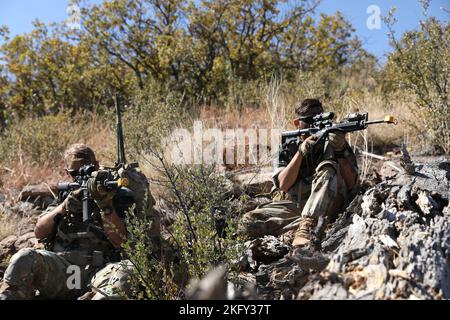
(29, 204)
(392, 242)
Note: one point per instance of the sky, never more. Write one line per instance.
(19, 14)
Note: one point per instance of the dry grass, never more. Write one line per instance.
(275, 112)
(8, 224)
(382, 134)
(215, 117)
(13, 224)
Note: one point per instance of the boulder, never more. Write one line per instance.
(27, 240)
(41, 195)
(7, 247)
(212, 287)
(388, 251)
(254, 183)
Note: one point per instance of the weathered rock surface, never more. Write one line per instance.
(212, 287)
(393, 242)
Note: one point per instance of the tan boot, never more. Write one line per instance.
(303, 234)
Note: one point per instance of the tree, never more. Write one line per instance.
(420, 64)
(329, 44)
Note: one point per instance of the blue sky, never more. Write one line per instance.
(18, 15)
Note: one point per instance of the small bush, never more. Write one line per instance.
(420, 65)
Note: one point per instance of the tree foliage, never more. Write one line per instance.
(202, 49)
(420, 64)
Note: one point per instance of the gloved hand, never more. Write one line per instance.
(307, 146)
(102, 196)
(337, 140)
(73, 203)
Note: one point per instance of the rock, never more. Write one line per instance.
(280, 279)
(7, 247)
(405, 160)
(254, 182)
(41, 195)
(389, 170)
(306, 261)
(395, 253)
(212, 287)
(243, 288)
(426, 203)
(433, 177)
(27, 240)
(267, 249)
(392, 242)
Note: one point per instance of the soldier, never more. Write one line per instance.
(319, 181)
(73, 250)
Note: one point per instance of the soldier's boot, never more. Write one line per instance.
(9, 292)
(302, 237)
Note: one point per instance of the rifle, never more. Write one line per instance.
(81, 182)
(121, 161)
(322, 125)
(85, 172)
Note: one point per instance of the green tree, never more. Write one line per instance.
(328, 45)
(47, 72)
(420, 64)
(142, 35)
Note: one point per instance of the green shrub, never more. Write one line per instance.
(205, 229)
(151, 278)
(420, 65)
(203, 233)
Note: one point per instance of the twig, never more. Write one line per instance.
(51, 191)
(394, 166)
(373, 155)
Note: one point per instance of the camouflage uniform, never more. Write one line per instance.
(319, 191)
(100, 266)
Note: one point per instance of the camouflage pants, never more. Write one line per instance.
(54, 277)
(325, 196)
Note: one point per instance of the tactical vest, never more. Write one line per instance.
(82, 243)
